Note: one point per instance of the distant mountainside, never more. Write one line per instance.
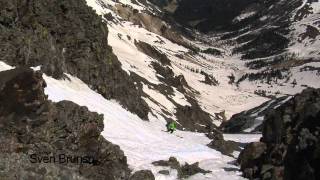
(253, 51)
(277, 40)
(251, 121)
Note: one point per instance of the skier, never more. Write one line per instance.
(171, 127)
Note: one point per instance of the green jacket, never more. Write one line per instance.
(172, 126)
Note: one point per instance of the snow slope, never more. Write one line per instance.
(145, 142)
(213, 99)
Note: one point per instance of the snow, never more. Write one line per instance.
(5, 67)
(282, 102)
(242, 138)
(316, 7)
(244, 15)
(257, 122)
(130, 57)
(160, 99)
(212, 99)
(263, 18)
(307, 47)
(143, 142)
(284, 87)
(135, 6)
(179, 98)
(98, 8)
(262, 109)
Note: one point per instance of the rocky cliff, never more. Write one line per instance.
(40, 139)
(66, 37)
(289, 148)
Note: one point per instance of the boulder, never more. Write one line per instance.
(225, 147)
(251, 156)
(143, 174)
(184, 171)
(164, 172)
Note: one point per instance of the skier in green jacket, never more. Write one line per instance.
(171, 127)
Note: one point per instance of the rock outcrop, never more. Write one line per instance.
(289, 148)
(143, 174)
(41, 139)
(225, 147)
(66, 37)
(152, 52)
(184, 171)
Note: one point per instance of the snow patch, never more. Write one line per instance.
(244, 16)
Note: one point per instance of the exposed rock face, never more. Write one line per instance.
(209, 79)
(152, 52)
(188, 170)
(206, 15)
(170, 79)
(40, 139)
(225, 147)
(190, 117)
(19, 94)
(144, 174)
(249, 158)
(66, 36)
(213, 51)
(194, 118)
(172, 162)
(184, 171)
(164, 172)
(291, 135)
(153, 23)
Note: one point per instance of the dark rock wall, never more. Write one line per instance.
(66, 37)
(30, 124)
(212, 14)
(291, 135)
(267, 30)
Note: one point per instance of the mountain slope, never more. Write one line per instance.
(66, 37)
(251, 120)
(142, 64)
(140, 21)
(144, 142)
(277, 40)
